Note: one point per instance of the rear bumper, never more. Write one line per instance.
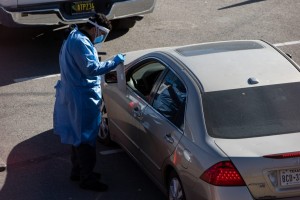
(56, 16)
(131, 8)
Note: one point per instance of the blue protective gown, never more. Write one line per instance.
(77, 116)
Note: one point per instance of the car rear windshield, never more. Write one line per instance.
(253, 112)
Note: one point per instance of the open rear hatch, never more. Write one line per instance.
(270, 165)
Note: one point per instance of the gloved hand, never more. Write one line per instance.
(119, 58)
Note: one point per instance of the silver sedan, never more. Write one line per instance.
(213, 121)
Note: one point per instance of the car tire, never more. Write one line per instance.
(103, 134)
(175, 188)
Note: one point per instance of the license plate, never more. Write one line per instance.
(289, 177)
(80, 7)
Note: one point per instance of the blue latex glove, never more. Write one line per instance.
(119, 58)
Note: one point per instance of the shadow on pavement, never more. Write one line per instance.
(32, 52)
(38, 169)
(23, 54)
(116, 34)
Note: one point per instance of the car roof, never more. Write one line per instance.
(233, 64)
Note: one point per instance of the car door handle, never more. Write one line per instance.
(169, 138)
(137, 113)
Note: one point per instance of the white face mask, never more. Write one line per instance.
(99, 36)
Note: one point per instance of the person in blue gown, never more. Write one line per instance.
(77, 115)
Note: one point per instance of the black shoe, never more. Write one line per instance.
(94, 186)
(2, 167)
(77, 177)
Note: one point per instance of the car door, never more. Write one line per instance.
(148, 133)
(162, 122)
(126, 107)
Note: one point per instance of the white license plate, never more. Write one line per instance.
(289, 177)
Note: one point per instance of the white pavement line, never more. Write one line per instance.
(61, 28)
(35, 78)
(287, 43)
(108, 152)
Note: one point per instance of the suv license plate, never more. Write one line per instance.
(289, 177)
(80, 7)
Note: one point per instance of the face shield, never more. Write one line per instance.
(100, 34)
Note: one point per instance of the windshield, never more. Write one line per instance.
(253, 112)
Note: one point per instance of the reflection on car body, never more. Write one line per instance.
(200, 129)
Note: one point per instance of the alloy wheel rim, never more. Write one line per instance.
(103, 134)
(175, 190)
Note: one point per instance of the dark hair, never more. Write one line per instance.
(99, 19)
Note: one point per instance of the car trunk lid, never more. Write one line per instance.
(270, 165)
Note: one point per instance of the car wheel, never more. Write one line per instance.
(104, 135)
(175, 187)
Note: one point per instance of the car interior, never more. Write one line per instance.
(143, 79)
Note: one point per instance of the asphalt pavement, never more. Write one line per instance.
(39, 168)
(37, 163)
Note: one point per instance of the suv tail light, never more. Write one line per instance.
(223, 174)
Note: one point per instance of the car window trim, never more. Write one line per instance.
(147, 59)
(139, 65)
(157, 87)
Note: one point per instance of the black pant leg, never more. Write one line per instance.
(75, 162)
(87, 159)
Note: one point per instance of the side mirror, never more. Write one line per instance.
(117, 76)
(111, 77)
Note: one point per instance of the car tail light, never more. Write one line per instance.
(223, 174)
(284, 155)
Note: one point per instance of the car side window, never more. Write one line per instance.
(170, 99)
(143, 78)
